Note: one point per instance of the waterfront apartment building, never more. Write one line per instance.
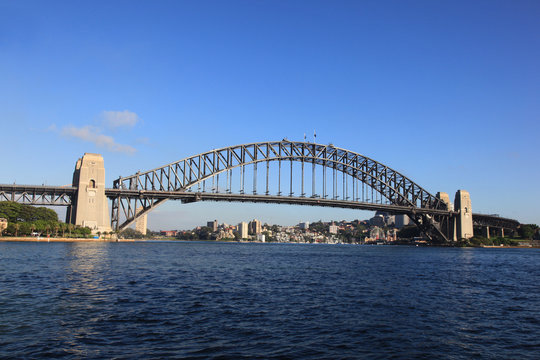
(243, 230)
(168, 233)
(212, 225)
(333, 229)
(255, 227)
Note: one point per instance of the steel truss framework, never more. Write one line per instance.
(136, 195)
(37, 195)
(495, 221)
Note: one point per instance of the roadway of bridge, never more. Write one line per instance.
(188, 196)
(8, 192)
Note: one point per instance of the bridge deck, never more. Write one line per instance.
(61, 195)
(187, 196)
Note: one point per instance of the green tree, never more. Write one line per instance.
(10, 210)
(267, 237)
(319, 227)
(63, 228)
(25, 229)
(204, 233)
(130, 233)
(70, 228)
(346, 235)
(16, 212)
(526, 231)
(10, 230)
(79, 231)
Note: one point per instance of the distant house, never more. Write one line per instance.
(168, 233)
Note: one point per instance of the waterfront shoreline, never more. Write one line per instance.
(60, 239)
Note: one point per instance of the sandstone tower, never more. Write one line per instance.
(142, 222)
(89, 205)
(462, 205)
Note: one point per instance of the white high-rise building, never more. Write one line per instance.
(333, 228)
(243, 230)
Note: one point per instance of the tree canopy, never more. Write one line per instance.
(15, 212)
(25, 220)
(526, 231)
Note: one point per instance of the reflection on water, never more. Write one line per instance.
(85, 289)
(87, 263)
(204, 300)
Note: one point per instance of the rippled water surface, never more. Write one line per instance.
(227, 300)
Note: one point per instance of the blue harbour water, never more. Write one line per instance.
(271, 301)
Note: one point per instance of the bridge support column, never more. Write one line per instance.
(141, 222)
(486, 232)
(501, 232)
(89, 206)
(462, 205)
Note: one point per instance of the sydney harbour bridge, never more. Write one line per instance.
(280, 172)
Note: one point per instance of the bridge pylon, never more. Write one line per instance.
(464, 219)
(89, 206)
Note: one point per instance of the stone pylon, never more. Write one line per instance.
(141, 222)
(89, 206)
(464, 223)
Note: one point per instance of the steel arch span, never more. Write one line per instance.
(339, 178)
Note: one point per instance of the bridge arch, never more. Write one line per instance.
(148, 189)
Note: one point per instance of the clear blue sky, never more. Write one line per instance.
(447, 92)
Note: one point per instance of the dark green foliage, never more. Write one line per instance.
(526, 231)
(268, 238)
(25, 220)
(360, 227)
(204, 233)
(186, 235)
(345, 235)
(319, 226)
(15, 212)
(481, 241)
(150, 233)
(130, 233)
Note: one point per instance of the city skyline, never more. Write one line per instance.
(444, 93)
